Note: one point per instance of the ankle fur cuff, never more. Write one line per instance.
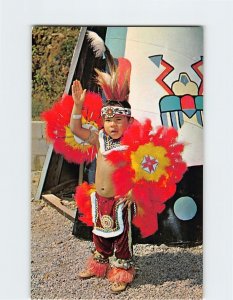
(121, 275)
(96, 268)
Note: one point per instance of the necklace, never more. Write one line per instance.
(110, 143)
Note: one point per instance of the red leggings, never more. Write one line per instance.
(120, 245)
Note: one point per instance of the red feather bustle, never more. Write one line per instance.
(58, 131)
(83, 201)
(152, 166)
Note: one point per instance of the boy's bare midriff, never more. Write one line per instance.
(103, 177)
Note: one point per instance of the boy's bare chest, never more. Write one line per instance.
(103, 164)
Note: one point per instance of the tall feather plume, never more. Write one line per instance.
(110, 61)
(99, 48)
(104, 81)
(96, 43)
(114, 84)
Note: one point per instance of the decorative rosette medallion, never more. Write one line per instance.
(107, 222)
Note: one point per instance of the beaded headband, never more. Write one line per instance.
(111, 111)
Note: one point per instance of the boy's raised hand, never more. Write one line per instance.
(78, 93)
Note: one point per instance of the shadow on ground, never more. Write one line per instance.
(158, 268)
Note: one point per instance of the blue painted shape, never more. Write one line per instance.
(199, 118)
(181, 119)
(173, 120)
(185, 208)
(115, 40)
(189, 112)
(199, 102)
(156, 59)
(184, 79)
(164, 119)
(169, 103)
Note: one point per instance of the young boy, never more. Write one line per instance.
(112, 228)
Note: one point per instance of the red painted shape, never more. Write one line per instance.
(195, 67)
(150, 163)
(187, 102)
(168, 69)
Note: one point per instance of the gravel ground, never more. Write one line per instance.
(57, 256)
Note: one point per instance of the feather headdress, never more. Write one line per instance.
(114, 84)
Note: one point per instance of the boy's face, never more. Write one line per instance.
(116, 126)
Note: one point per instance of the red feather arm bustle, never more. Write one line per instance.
(83, 201)
(58, 131)
(151, 166)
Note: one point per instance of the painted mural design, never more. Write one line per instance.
(184, 97)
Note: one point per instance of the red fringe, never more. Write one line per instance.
(121, 275)
(96, 268)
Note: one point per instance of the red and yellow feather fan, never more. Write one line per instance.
(58, 131)
(152, 167)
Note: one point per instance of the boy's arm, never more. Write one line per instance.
(87, 135)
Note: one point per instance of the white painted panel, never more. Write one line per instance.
(181, 47)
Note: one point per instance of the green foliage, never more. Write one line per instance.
(52, 51)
